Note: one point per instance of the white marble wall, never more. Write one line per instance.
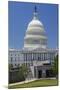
(16, 57)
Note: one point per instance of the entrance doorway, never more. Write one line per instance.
(39, 73)
(49, 73)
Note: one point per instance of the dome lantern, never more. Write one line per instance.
(35, 13)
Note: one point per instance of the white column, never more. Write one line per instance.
(43, 73)
(36, 72)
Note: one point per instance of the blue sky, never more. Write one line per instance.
(21, 13)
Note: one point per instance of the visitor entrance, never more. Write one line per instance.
(49, 73)
(39, 73)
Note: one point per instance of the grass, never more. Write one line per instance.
(36, 83)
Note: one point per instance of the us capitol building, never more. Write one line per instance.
(35, 54)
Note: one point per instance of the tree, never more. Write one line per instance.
(17, 74)
(10, 66)
(10, 73)
(23, 71)
(55, 65)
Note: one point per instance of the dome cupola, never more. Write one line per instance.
(35, 36)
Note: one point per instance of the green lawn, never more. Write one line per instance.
(36, 83)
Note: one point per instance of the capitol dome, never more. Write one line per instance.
(35, 22)
(35, 36)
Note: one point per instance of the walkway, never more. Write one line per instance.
(29, 81)
(22, 82)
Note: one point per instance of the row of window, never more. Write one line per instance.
(12, 54)
(27, 64)
(35, 56)
(38, 56)
(15, 64)
(14, 59)
(36, 42)
(36, 33)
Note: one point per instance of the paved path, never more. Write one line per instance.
(22, 82)
(29, 81)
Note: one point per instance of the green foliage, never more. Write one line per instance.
(10, 66)
(17, 74)
(55, 65)
(23, 70)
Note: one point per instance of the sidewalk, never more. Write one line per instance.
(26, 81)
(22, 82)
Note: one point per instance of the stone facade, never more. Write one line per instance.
(37, 61)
